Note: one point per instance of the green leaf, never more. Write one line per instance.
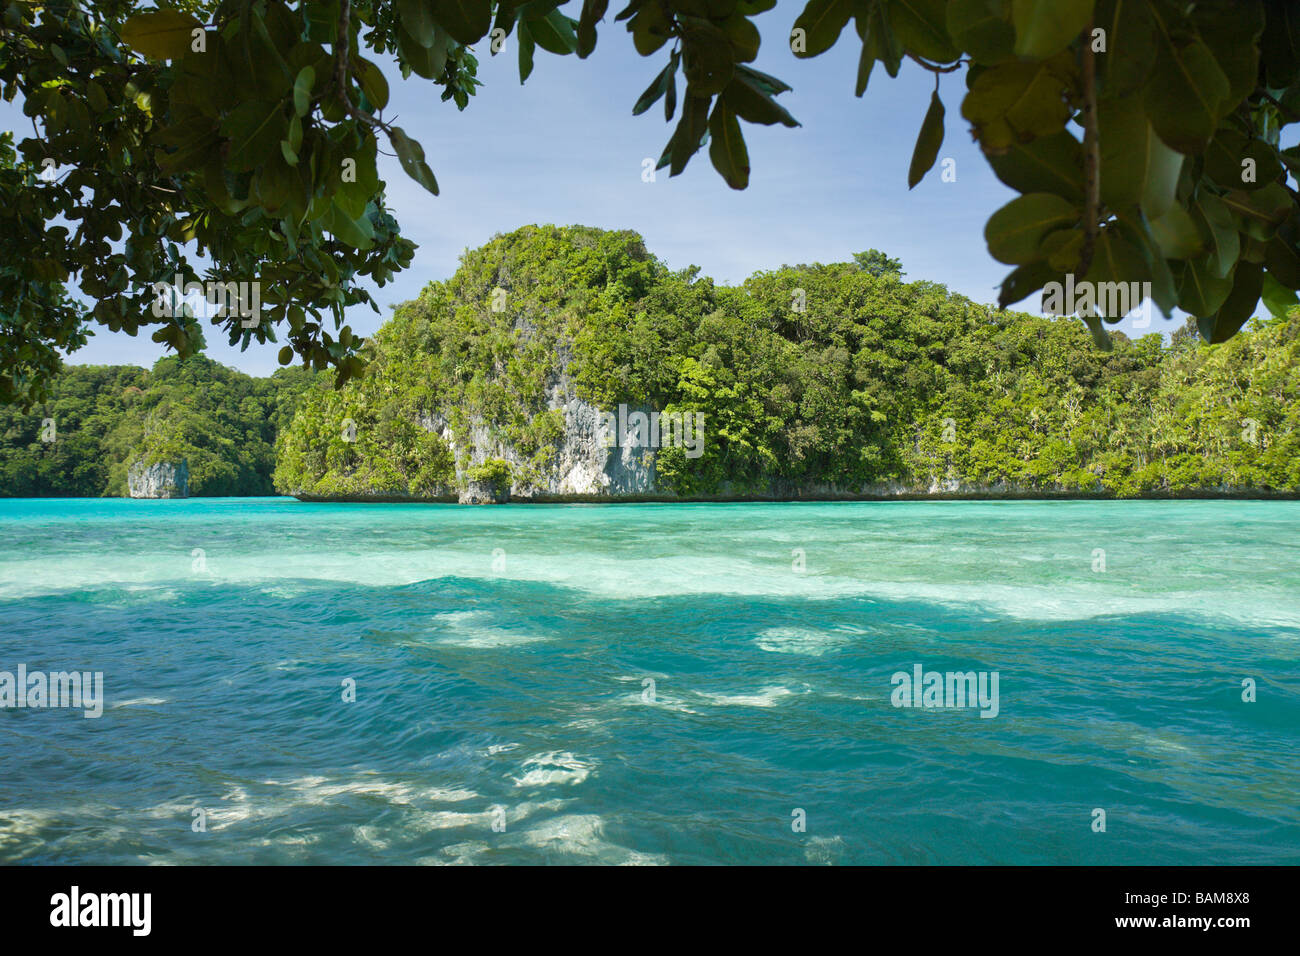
(417, 19)
(1237, 308)
(1261, 210)
(982, 28)
(1280, 43)
(592, 13)
(1177, 234)
(1200, 292)
(1015, 231)
(764, 81)
(822, 22)
(373, 83)
(160, 34)
(688, 136)
(866, 63)
(727, 147)
(254, 129)
(428, 62)
(358, 233)
(1187, 92)
(302, 90)
(1232, 31)
(1062, 248)
(1279, 299)
(411, 155)
(1219, 230)
(1282, 254)
(554, 33)
(526, 49)
(650, 30)
(1164, 290)
(1100, 337)
(921, 26)
(1046, 27)
(1136, 167)
(657, 88)
(466, 20)
(708, 60)
(744, 37)
(1130, 46)
(1017, 101)
(1023, 281)
(928, 142)
(1118, 273)
(746, 96)
(271, 76)
(1048, 164)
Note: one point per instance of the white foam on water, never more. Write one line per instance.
(556, 767)
(824, 850)
(801, 640)
(426, 821)
(663, 701)
(1164, 744)
(766, 697)
(583, 835)
(285, 797)
(318, 790)
(458, 854)
(471, 629)
(18, 827)
(139, 702)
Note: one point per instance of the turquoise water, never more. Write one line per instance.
(500, 658)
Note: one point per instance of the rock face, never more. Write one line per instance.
(484, 493)
(587, 460)
(161, 480)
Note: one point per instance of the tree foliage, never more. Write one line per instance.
(1150, 141)
(99, 420)
(811, 379)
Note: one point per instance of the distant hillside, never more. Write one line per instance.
(812, 380)
(104, 418)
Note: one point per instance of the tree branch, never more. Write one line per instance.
(1091, 157)
(341, 45)
(935, 67)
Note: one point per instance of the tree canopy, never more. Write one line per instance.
(99, 420)
(1148, 140)
(875, 381)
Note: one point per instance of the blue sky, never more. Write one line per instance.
(564, 148)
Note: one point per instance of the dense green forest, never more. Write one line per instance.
(841, 376)
(813, 379)
(100, 419)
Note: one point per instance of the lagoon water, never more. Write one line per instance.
(652, 683)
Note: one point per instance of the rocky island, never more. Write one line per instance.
(546, 368)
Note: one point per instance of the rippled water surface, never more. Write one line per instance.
(503, 660)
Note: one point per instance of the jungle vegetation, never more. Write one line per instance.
(98, 420)
(808, 375)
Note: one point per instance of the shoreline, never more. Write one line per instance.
(554, 499)
(591, 499)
